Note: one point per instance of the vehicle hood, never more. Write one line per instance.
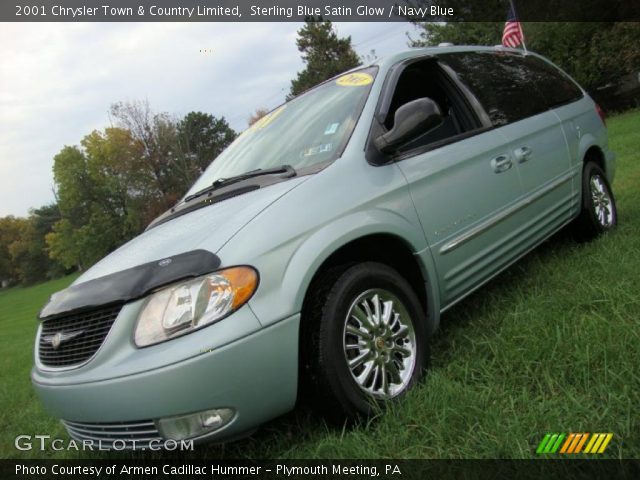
(207, 228)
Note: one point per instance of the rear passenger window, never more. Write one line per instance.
(502, 85)
(512, 87)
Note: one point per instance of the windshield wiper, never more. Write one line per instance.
(223, 182)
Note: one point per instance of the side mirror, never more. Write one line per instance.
(410, 120)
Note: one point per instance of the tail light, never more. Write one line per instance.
(601, 114)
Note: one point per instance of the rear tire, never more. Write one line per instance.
(364, 330)
(598, 213)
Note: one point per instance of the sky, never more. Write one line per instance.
(58, 80)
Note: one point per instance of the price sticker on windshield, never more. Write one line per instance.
(357, 79)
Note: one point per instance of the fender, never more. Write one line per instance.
(307, 255)
(588, 141)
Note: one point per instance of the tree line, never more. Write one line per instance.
(108, 188)
(116, 180)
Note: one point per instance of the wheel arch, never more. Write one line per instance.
(595, 154)
(388, 249)
(592, 149)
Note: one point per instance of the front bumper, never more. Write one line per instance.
(255, 375)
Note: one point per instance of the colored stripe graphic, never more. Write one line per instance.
(598, 443)
(557, 444)
(579, 446)
(568, 443)
(542, 444)
(550, 443)
(574, 443)
(591, 442)
(605, 442)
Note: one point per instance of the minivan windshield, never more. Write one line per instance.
(305, 132)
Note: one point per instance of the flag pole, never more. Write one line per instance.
(513, 7)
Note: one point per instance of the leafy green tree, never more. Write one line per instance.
(201, 138)
(595, 53)
(118, 180)
(10, 230)
(324, 54)
(159, 161)
(29, 252)
(65, 245)
(114, 167)
(100, 192)
(77, 196)
(459, 33)
(173, 153)
(75, 189)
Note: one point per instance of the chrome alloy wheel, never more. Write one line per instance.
(379, 343)
(601, 201)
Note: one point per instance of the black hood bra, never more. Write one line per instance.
(129, 284)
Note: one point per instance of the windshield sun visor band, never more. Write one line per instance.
(130, 284)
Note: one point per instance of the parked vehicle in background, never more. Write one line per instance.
(319, 250)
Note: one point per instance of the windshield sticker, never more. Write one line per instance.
(357, 79)
(331, 128)
(266, 120)
(307, 152)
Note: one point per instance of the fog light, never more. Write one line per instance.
(194, 424)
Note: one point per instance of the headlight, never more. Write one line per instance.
(189, 305)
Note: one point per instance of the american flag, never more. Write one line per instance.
(512, 35)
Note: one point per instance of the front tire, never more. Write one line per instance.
(365, 333)
(599, 213)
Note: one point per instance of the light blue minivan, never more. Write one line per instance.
(318, 251)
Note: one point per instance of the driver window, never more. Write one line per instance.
(424, 79)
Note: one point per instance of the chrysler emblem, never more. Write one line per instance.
(57, 339)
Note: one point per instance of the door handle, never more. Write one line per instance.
(522, 154)
(501, 163)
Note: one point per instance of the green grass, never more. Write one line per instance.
(20, 412)
(551, 345)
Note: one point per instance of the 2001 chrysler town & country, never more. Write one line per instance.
(321, 247)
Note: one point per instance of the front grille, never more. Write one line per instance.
(73, 339)
(126, 435)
